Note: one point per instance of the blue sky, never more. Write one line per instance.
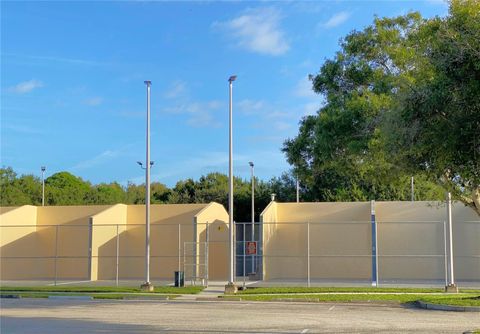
(73, 97)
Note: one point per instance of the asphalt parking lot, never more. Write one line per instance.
(100, 316)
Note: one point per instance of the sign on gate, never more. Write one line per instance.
(251, 248)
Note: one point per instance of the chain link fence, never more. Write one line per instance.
(314, 253)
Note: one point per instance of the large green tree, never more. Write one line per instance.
(438, 116)
(340, 153)
(64, 188)
(401, 99)
(11, 191)
(104, 193)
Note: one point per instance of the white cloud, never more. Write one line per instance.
(30, 59)
(337, 20)
(250, 107)
(282, 126)
(203, 119)
(26, 86)
(304, 88)
(94, 101)
(257, 30)
(101, 158)
(25, 129)
(200, 113)
(278, 115)
(177, 89)
(442, 3)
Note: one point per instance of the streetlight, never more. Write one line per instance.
(253, 212)
(230, 287)
(148, 286)
(43, 168)
(141, 164)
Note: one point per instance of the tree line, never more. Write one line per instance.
(64, 188)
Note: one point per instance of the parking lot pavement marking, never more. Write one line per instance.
(67, 283)
(305, 331)
(331, 308)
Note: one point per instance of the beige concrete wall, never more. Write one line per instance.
(411, 240)
(164, 230)
(323, 212)
(164, 213)
(106, 227)
(83, 239)
(5, 209)
(268, 218)
(64, 231)
(339, 240)
(68, 215)
(397, 211)
(466, 250)
(217, 218)
(18, 239)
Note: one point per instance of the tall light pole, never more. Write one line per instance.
(253, 210)
(230, 287)
(451, 286)
(43, 168)
(148, 286)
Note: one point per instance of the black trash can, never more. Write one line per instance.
(179, 279)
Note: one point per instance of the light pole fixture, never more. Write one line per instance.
(253, 211)
(43, 168)
(230, 287)
(141, 164)
(147, 286)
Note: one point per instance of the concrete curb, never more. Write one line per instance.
(71, 297)
(216, 299)
(440, 307)
(145, 298)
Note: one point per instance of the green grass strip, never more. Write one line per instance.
(158, 289)
(282, 290)
(460, 299)
(151, 296)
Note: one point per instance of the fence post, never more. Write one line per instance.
(244, 255)
(56, 252)
(234, 251)
(445, 251)
(207, 239)
(451, 286)
(90, 251)
(179, 248)
(117, 257)
(308, 254)
(374, 244)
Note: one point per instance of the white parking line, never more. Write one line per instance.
(305, 330)
(331, 308)
(65, 283)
